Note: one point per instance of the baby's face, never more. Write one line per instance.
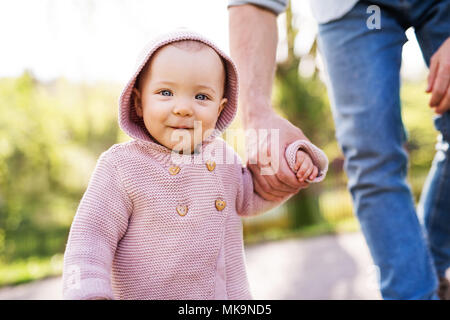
(181, 87)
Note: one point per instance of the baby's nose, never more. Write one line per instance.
(183, 108)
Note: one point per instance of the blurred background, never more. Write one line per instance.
(62, 66)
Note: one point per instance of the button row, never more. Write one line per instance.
(173, 170)
(183, 210)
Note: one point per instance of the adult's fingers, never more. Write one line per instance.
(282, 177)
(259, 190)
(445, 103)
(270, 183)
(434, 64)
(278, 185)
(287, 176)
(440, 85)
(263, 188)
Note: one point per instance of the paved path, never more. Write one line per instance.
(327, 267)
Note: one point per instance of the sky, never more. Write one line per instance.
(99, 40)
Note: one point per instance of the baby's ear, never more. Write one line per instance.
(222, 104)
(136, 96)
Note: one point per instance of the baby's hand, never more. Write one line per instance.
(304, 167)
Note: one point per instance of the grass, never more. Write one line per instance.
(336, 217)
(277, 234)
(33, 268)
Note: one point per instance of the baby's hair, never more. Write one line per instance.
(187, 45)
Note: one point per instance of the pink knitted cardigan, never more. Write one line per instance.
(152, 226)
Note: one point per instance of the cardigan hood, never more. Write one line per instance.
(134, 126)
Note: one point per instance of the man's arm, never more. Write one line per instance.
(253, 44)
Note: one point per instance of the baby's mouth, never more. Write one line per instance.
(181, 127)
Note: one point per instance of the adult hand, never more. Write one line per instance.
(253, 45)
(439, 79)
(283, 182)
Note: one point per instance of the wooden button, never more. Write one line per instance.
(220, 205)
(182, 210)
(210, 165)
(174, 170)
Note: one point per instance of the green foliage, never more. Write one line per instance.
(50, 137)
(29, 269)
(304, 102)
(418, 120)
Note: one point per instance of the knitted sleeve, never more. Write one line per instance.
(99, 223)
(249, 203)
(318, 157)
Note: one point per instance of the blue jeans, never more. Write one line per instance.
(364, 69)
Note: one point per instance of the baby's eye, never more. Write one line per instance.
(165, 93)
(201, 97)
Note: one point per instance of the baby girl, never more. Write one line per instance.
(161, 216)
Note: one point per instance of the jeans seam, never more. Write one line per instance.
(444, 125)
(441, 181)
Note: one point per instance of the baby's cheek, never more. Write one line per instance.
(207, 128)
